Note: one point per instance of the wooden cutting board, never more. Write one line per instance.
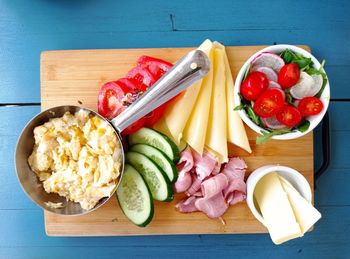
(74, 77)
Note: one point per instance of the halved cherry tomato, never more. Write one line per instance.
(142, 76)
(255, 83)
(289, 75)
(269, 103)
(310, 106)
(110, 100)
(156, 66)
(289, 116)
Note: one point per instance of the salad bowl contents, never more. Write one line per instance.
(282, 92)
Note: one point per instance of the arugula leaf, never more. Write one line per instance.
(287, 56)
(289, 98)
(267, 135)
(255, 118)
(304, 126)
(246, 73)
(303, 63)
(318, 95)
(239, 107)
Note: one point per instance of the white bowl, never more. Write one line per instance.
(294, 177)
(314, 120)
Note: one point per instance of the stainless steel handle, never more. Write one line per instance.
(192, 67)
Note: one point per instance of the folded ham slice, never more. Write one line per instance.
(204, 164)
(213, 207)
(187, 205)
(184, 167)
(214, 185)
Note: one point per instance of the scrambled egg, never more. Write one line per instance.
(78, 157)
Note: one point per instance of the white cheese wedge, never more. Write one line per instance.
(216, 138)
(196, 127)
(236, 133)
(276, 210)
(178, 112)
(304, 212)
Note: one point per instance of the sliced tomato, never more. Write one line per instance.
(289, 75)
(289, 116)
(156, 66)
(269, 103)
(110, 100)
(142, 76)
(134, 127)
(130, 85)
(255, 83)
(154, 116)
(309, 106)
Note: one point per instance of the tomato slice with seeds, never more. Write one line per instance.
(309, 106)
(156, 66)
(142, 76)
(269, 103)
(289, 116)
(110, 100)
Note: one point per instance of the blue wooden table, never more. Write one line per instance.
(28, 27)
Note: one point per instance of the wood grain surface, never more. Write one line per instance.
(74, 78)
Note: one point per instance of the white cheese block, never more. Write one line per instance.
(276, 210)
(236, 133)
(178, 112)
(196, 127)
(304, 212)
(216, 138)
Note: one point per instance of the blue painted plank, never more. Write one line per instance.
(13, 119)
(23, 235)
(27, 28)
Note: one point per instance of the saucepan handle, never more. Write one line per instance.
(192, 67)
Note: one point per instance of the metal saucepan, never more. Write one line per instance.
(185, 72)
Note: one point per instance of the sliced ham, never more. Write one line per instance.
(187, 205)
(213, 207)
(216, 169)
(184, 167)
(236, 190)
(204, 164)
(214, 185)
(195, 186)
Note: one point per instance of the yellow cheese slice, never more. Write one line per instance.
(304, 212)
(276, 209)
(196, 127)
(177, 113)
(216, 138)
(236, 133)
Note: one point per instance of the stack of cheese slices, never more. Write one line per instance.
(203, 115)
(286, 213)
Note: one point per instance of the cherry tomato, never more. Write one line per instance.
(289, 116)
(269, 103)
(110, 100)
(142, 76)
(156, 66)
(310, 106)
(289, 75)
(255, 83)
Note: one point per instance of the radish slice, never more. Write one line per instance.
(272, 123)
(280, 89)
(273, 84)
(268, 59)
(304, 86)
(318, 82)
(269, 72)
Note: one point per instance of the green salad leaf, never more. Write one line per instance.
(304, 126)
(246, 73)
(267, 135)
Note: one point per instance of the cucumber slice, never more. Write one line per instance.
(155, 178)
(135, 198)
(159, 158)
(182, 146)
(155, 139)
